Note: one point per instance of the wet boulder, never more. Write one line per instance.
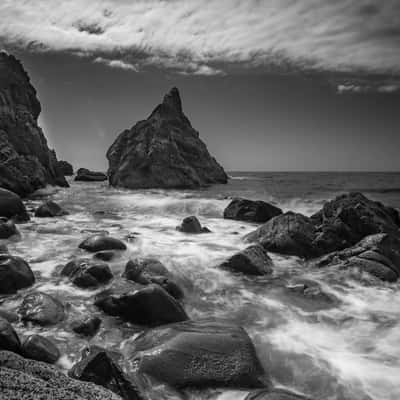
(254, 260)
(41, 309)
(9, 339)
(151, 306)
(15, 274)
(39, 348)
(198, 354)
(250, 210)
(378, 255)
(87, 273)
(101, 242)
(50, 209)
(87, 326)
(105, 255)
(11, 206)
(275, 394)
(192, 225)
(7, 228)
(97, 365)
(66, 168)
(86, 175)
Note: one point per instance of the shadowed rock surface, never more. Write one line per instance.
(192, 225)
(26, 162)
(50, 209)
(97, 243)
(7, 228)
(163, 151)
(66, 168)
(86, 175)
(9, 339)
(40, 348)
(86, 326)
(11, 206)
(15, 274)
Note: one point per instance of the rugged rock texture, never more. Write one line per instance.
(50, 209)
(163, 151)
(40, 348)
(66, 168)
(250, 210)
(86, 175)
(86, 326)
(26, 162)
(15, 274)
(11, 206)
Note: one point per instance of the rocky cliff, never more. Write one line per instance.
(163, 151)
(26, 162)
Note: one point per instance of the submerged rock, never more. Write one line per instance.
(192, 225)
(250, 210)
(66, 168)
(26, 162)
(9, 339)
(86, 327)
(198, 354)
(42, 309)
(15, 274)
(163, 151)
(7, 228)
(11, 206)
(40, 348)
(50, 209)
(97, 366)
(97, 243)
(86, 175)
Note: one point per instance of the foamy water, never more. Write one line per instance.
(349, 351)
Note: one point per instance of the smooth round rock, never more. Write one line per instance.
(97, 243)
(11, 206)
(15, 274)
(9, 339)
(40, 348)
(7, 228)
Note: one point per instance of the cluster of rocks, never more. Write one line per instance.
(85, 175)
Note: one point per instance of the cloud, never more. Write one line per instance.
(209, 36)
(116, 64)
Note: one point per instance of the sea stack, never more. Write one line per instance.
(163, 151)
(26, 162)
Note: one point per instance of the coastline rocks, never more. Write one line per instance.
(151, 306)
(86, 327)
(9, 339)
(15, 274)
(26, 162)
(378, 255)
(41, 309)
(7, 228)
(251, 211)
(29, 379)
(198, 354)
(254, 260)
(97, 243)
(86, 273)
(40, 348)
(97, 366)
(11, 206)
(163, 151)
(192, 225)
(50, 209)
(86, 175)
(65, 167)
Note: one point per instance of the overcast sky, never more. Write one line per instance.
(270, 84)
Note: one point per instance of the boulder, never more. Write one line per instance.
(192, 225)
(275, 394)
(250, 210)
(163, 151)
(151, 306)
(9, 339)
(15, 274)
(40, 348)
(87, 273)
(26, 162)
(105, 255)
(41, 309)
(198, 354)
(98, 366)
(87, 326)
(378, 255)
(26, 379)
(97, 243)
(66, 168)
(11, 205)
(50, 209)
(86, 175)
(7, 228)
(254, 260)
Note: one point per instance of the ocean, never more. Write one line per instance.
(349, 351)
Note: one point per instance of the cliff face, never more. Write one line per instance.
(163, 151)
(26, 162)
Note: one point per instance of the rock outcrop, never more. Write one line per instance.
(11, 206)
(66, 168)
(26, 162)
(163, 151)
(86, 175)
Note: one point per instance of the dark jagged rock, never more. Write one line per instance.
(86, 327)
(378, 255)
(42, 309)
(9, 339)
(11, 206)
(250, 210)
(163, 151)
(97, 243)
(40, 348)
(66, 168)
(87, 273)
(26, 379)
(15, 274)
(7, 228)
(86, 175)
(275, 394)
(98, 366)
(254, 260)
(50, 209)
(192, 225)
(26, 162)
(198, 354)
(150, 306)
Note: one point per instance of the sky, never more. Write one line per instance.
(271, 85)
